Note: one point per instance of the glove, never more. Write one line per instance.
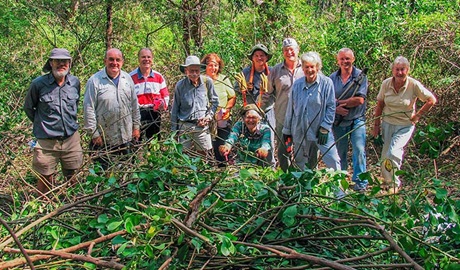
(241, 80)
(378, 141)
(263, 83)
(323, 134)
(288, 142)
(262, 153)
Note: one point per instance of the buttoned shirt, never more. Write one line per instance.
(339, 87)
(280, 82)
(191, 102)
(53, 108)
(111, 111)
(310, 107)
(400, 106)
(247, 142)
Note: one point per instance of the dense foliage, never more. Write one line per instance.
(248, 217)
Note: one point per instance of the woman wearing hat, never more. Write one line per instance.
(251, 137)
(195, 103)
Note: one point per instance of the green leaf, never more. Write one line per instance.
(102, 218)
(122, 248)
(129, 225)
(114, 225)
(441, 193)
(289, 215)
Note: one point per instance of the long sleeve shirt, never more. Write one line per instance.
(340, 87)
(247, 142)
(280, 82)
(252, 95)
(310, 107)
(53, 108)
(111, 111)
(192, 103)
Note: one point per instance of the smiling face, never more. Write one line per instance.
(193, 73)
(145, 60)
(60, 67)
(212, 68)
(290, 53)
(345, 59)
(400, 72)
(251, 120)
(113, 62)
(310, 70)
(259, 58)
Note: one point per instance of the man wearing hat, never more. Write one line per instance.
(194, 105)
(251, 137)
(111, 110)
(51, 104)
(280, 81)
(252, 83)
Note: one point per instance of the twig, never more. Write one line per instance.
(165, 265)
(194, 206)
(23, 251)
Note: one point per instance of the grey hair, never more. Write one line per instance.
(346, 50)
(144, 49)
(313, 58)
(401, 60)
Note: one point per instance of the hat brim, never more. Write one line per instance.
(182, 67)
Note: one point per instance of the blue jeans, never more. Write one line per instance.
(356, 132)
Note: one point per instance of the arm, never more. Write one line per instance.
(30, 103)
(268, 98)
(429, 103)
(136, 115)
(89, 110)
(378, 117)
(329, 103)
(289, 113)
(175, 109)
(164, 92)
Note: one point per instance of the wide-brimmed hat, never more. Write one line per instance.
(250, 107)
(259, 47)
(192, 60)
(56, 53)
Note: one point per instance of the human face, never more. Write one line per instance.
(259, 58)
(60, 67)
(212, 68)
(251, 119)
(310, 70)
(113, 62)
(145, 60)
(193, 73)
(290, 53)
(400, 72)
(345, 60)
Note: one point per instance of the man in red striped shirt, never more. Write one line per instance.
(152, 94)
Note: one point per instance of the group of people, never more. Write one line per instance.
(307, 113)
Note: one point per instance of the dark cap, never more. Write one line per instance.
(250, 107)
(56, 53)
(259, 47)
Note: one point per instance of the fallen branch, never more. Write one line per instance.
(194, 206)
(21, 248)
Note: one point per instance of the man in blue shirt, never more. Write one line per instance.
(51, 104)
(349, 121)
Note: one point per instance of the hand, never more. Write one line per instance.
(263, 83)
(136, 134)
(241, 80)
(204, 121)
(225, 114)
(323, 135)
(224, 150)
(376, 130)
(262, 153)
(97, 141)
(415, 118)
(378, 141)
(341, 109)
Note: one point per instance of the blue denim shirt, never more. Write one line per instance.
(339, 87)
(309, 108)
(53, 108)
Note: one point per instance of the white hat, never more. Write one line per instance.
(290, 42)
(192, 60)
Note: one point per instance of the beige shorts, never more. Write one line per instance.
(192, 135)
(48, 152)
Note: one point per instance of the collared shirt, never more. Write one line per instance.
(309, 108)
(400, 106)
(110, 111)
(151, 91)
(247, 142)
(252, 96)
(53, 108)
(193, 102)
(280, 83)
(340, 87)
